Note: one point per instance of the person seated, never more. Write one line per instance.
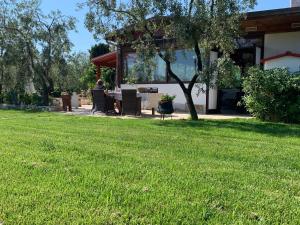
(109, 101)
(99, 85)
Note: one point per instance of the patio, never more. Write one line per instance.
(85, 110)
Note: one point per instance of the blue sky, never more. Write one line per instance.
(83, 40)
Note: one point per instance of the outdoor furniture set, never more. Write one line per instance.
(127, 102)
(131, 102)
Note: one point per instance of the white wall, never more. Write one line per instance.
(292, 63)
(279, 43)
(174, 89)
(257, 55)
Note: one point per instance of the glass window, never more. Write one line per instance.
(155, 71)
(185, 65)
(159, 70)
(135, 71)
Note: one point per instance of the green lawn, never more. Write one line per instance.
(58, 169)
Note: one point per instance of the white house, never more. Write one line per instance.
(272, 39)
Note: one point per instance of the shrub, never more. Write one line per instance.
(108, 77)
(1, 98)
(167, 98)
(273, 95)
(26, 99)
(10, 97)
(36, 99)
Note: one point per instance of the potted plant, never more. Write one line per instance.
(165, 105)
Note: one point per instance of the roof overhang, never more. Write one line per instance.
(106, 60)
(267, 21)
(272, 21)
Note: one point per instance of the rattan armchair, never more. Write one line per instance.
(131, 104)
(102, 102)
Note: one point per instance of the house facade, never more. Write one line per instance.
(271, 40)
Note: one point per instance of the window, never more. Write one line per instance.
(185, 65)
(155, 71)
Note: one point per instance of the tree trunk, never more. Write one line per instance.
(45, 96)
(207, 99)
(187, 91)
(191, 105)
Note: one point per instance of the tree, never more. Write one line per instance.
(199, 25)
(77, 65)
(87, 79)
(98, 49)
(42, 40)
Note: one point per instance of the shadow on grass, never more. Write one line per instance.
(273, 129)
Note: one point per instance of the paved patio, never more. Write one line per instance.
(85, 110)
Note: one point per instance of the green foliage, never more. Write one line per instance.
(228, 74)
(33, 46)
(167, 98)
(26, 99)
(98, 50)
(95, 170)
(77, 64)
(1, 98)
(163, 26)
(273, 95)
(108, 77)
(88, 78)
(10, 97)
(13, 98)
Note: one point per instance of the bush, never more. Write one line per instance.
(11, 98)
(108, 77)
(167, 98)
(14, 98)
(26, 99)
(273, 95)
(1, 98)
(36, 100)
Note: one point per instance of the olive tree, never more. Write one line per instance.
(201, 25)
(42, 40)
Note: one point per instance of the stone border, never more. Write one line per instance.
(29, 107)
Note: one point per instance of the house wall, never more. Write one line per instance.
(279, 43)
(198, 95)
(292, 63)
(174, 89)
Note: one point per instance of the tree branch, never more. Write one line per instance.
(198, 55)
(170, 72)
(192, 82)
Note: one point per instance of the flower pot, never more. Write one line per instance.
(165, 107)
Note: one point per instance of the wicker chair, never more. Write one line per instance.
(101, 102)
(131, 104)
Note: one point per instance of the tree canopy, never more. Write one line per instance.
(35, 49)
(98, 49)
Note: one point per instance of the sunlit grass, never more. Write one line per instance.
(58, 169)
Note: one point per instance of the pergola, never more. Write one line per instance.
(108, 60)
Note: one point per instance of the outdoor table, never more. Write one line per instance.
(118, 95)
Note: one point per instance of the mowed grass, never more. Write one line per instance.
(57, 169)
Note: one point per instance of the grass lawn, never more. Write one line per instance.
(57, 169)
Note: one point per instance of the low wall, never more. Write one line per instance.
(180, 102)
(28, 107)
